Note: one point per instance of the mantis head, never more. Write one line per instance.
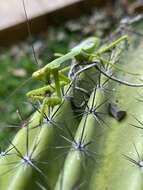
(86, 47)
(89, 45)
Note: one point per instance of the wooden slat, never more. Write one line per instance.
(12, 12)
(42, 13)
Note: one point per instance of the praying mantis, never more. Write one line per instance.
(53, 72)
(89, 51)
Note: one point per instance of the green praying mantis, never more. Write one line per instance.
(53, 72)
(89, 50)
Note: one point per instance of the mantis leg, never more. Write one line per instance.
(104, 60)
(55, 73)
(64, 78)
(112, 45)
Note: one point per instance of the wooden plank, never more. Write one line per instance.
(12, 12)
(41, 13)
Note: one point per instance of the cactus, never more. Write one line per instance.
(84, 142)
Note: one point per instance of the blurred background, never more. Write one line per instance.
(55, 27)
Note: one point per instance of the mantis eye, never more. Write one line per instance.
(90, 44)
(87, 47)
